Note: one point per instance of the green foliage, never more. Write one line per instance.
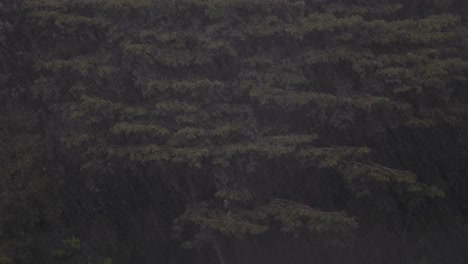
(68, 248)
(273, 120)
(297, 218)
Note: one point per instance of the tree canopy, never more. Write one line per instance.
(233, 131)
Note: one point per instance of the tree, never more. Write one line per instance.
(330, 126)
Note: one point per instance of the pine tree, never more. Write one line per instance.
(331, 126)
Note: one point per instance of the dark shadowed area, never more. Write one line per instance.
(233, 131)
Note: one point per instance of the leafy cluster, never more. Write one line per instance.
(338, 124)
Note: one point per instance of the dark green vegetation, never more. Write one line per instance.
(233, 131)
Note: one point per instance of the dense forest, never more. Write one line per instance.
(233, 131)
